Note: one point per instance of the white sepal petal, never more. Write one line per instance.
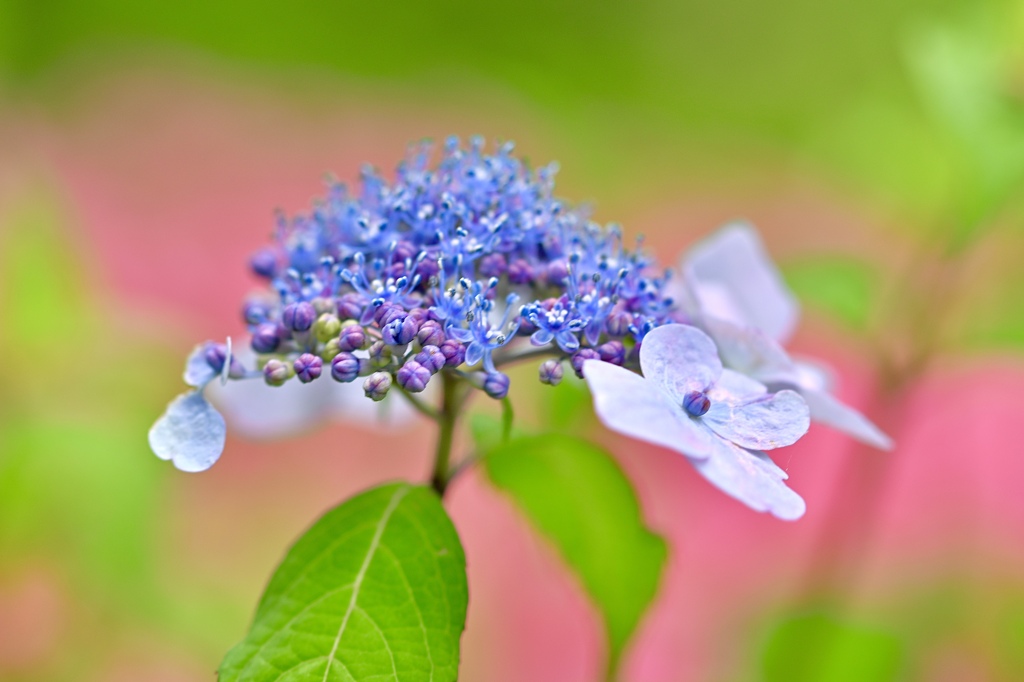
(751, 478)
(632, 405)
(190, 433)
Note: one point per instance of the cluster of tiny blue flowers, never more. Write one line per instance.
(445, 267)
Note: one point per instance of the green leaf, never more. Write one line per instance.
(578, 497)
(376, 589)
(817, 648)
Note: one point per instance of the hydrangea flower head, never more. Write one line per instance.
(473, 256)
(719, 419)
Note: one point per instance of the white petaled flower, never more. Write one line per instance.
(719, 419)
(735, 293)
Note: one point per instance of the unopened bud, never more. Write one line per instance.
(496, 385)
(431, 333)
(276, 372)
(581, 356)
(345, 367)
(376, 386)
(352, 338)
(696, 403)
(432, 358)
(266, 338)
(331, 349)
(400, 331)
(308, 367)
(298, 317)
(613, 352)
(551, 372)
(327, 327)
(412, 376)
(454, 352)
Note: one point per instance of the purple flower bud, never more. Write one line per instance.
(412, 376)
(427, 268)
(419, 315)
(454, 352)
(394, 271)
(613, 352)
(255, 312)
(345, 367)
(352, 338)
(493, 265)
(264, 263)
(276, 372)
(377, 385)
(496, 385)
(400, 331)
(350, 307)
(326, 327)
(696, 403)
(582, 355)
(387, 313)
(551, 372)
(266, 338)
(298, 317)
(557, 272)
(431, 333)
(432, 358)
(618, 322)
(216, 353)
(308, 367)
(404, 250)
(520, 272)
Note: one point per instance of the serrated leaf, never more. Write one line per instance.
(576, 495)
(376, 589)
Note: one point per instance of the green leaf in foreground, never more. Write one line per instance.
(576, 495)
(376, 589)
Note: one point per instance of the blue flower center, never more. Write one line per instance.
(696, 403)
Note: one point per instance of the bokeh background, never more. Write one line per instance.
(878, 145)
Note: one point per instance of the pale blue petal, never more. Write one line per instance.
(753, 479)
(567, 341)
(814, 374)
(474, 352)
(766, 423)
(828, 410)
(630, 404)
(198, 372)
(750, 351)
(459, 334)
(190, 433)
(541, 337)
(733, 387)
(736, 280)
(680, 359)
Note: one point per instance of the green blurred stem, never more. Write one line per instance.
(420, 406)
(447, 416)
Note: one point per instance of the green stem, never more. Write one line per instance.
(446, 420)
(420, 406)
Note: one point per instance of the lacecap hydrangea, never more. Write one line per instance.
(458, 268)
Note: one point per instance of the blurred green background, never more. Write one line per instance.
(879, 145)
